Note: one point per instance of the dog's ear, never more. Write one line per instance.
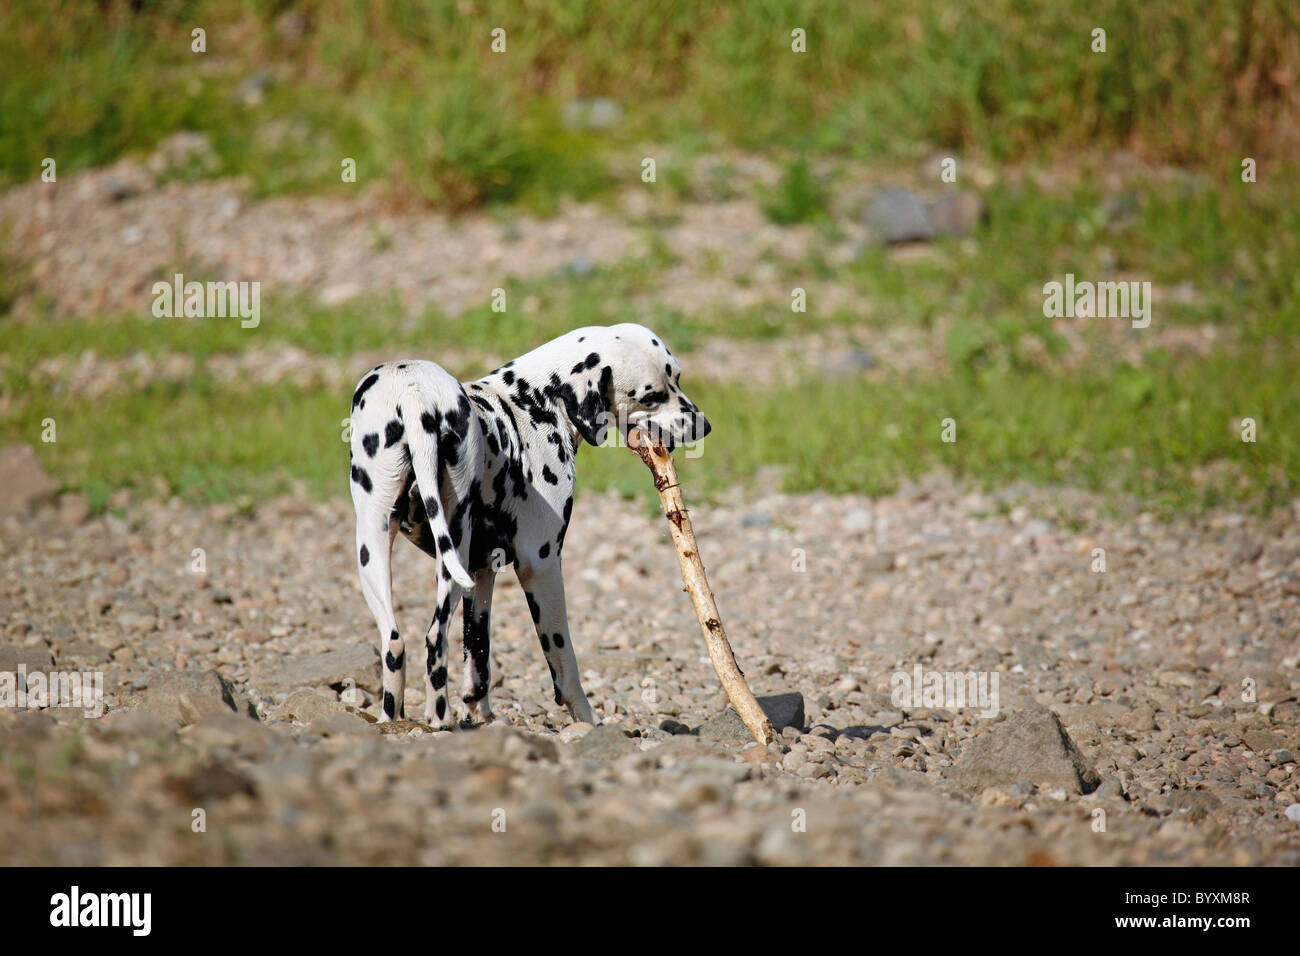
(591, 411)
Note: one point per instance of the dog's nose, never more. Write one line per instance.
(704, 427)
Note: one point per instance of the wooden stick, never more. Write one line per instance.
(661, 466)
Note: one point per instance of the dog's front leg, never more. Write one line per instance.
(543, 586)
(477, 613)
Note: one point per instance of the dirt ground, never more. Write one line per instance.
(1173, 671)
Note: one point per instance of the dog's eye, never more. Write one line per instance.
(650, 399)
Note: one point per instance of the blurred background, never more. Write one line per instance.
(846, 245)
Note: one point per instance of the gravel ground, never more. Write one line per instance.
(1144, 663)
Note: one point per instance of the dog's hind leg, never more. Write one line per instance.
(436, 709)
(477, 613)
(543, 586)
(374, 544)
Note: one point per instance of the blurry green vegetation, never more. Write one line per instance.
(1161, 429)
(413, 92)
(1163, 432)
(798, 197)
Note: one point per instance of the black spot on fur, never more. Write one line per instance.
(441, 707)
(371, 444)
(439, 679)
(533, 609)
(559, 640)
(395, 662)
(364, 387)
(476, 650)
(365, 555)
(546, 643)
(390, 705)
(429, 421)
(360, 477)
(544, 550)
(549, 476)
(393, 433)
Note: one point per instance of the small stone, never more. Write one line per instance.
(306, 706)
(606, 742)
(24, 480)
(879, 563)
(783, 710)
(336, 725)
(896, 215)
(74, 509)
(577, 731)
(958, 213)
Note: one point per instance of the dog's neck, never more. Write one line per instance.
(542, 383)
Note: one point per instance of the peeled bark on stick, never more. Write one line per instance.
(661, 466)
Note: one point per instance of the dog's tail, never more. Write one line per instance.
(424, 425)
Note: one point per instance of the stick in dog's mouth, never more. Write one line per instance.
(661, 466)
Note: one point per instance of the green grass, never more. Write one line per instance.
(412, 91)
(1160, 431)
(798, 197)
(1163, 433)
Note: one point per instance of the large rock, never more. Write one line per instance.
(783, 710)
(896, 215)
(1030, 745)
(25, 482)
(358, 664)
(186, 697)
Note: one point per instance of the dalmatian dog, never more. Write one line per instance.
(480, 474)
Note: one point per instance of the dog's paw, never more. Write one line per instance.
(581, 712)
(447, 720)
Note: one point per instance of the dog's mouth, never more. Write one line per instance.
(681, 429)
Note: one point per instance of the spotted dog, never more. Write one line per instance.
(481, 474)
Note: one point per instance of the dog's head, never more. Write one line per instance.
(626, 378)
